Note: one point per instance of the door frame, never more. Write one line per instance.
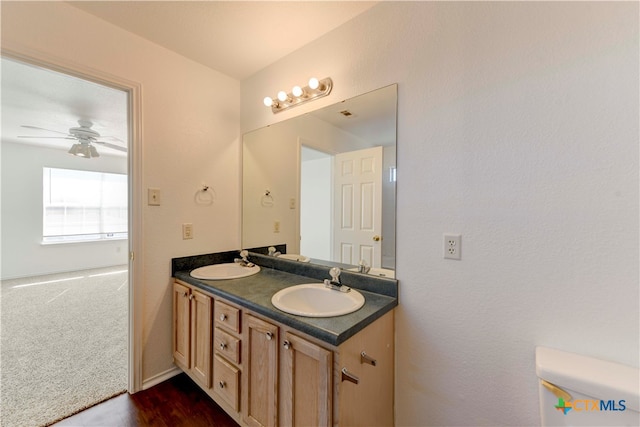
(134, 170)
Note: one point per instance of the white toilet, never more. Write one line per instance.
(577, 390)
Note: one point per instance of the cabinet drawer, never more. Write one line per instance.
(227, 316)
(226, 382)
(227, 345)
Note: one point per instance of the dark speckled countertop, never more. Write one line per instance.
(255, 292)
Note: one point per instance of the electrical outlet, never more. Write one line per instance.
(187, 231)
(276, 226)
(452, 246)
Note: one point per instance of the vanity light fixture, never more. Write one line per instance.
(299, 95)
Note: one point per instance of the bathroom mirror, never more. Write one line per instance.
(323, 183)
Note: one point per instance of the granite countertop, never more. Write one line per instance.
(255, 292)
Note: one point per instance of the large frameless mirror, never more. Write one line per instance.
(324, 184)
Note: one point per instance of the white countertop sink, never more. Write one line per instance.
(225, 271)
(295, 257)
(316, 300)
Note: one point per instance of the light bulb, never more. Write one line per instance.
(282, 96)
(314, 83)
(268, 102)
(297, 91)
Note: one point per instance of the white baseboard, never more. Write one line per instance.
(163, 376)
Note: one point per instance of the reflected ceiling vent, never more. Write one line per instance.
(299, 95)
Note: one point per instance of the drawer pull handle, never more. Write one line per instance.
(269, 335)
(223, 317)
(223, 346)
(222, 384)
(286, 344)
(365, 358)
(348, 376)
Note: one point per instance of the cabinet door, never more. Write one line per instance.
(201, 323)
(306, 386)
(260, 374)
(181, 326)
(370, 402)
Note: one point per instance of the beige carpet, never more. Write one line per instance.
(63, 344)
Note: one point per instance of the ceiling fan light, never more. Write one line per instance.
(84, 151)
(93, 151)
(73, 149)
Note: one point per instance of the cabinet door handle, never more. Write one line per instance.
(348, 376)
(223, 346)
(269, 335)
(191, 297)
(365, 358)
(223, 317)
(286, 344)
(222, 384)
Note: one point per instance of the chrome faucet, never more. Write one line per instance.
(334, 283)
(272, 251)
(243, 261)
(363, 267)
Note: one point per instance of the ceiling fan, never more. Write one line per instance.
(85, 137)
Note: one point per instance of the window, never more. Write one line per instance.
(83, 205)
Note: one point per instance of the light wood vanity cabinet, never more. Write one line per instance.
(227, 344)
(260, 379)
(305, 383)
(268, 374)
(192, 332)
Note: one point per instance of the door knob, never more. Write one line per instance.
(377, 238)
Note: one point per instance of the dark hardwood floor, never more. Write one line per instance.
(175, 402)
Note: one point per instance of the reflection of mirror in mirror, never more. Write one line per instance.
(330, 175)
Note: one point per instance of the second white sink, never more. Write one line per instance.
(316, 300)
(229, 270)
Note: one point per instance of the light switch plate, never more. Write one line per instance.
(153, 197)
(187, 231)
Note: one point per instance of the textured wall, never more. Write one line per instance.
(518, 128)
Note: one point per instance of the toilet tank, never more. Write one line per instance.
(577, 390)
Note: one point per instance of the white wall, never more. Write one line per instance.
(22, 251)
(316, 204)
(190, 117)
(518, 128)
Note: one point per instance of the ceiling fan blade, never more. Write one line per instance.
(112, 146)
(112, 138)
(46, 137)
(48, 130)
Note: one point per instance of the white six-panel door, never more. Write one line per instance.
(358, 207)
